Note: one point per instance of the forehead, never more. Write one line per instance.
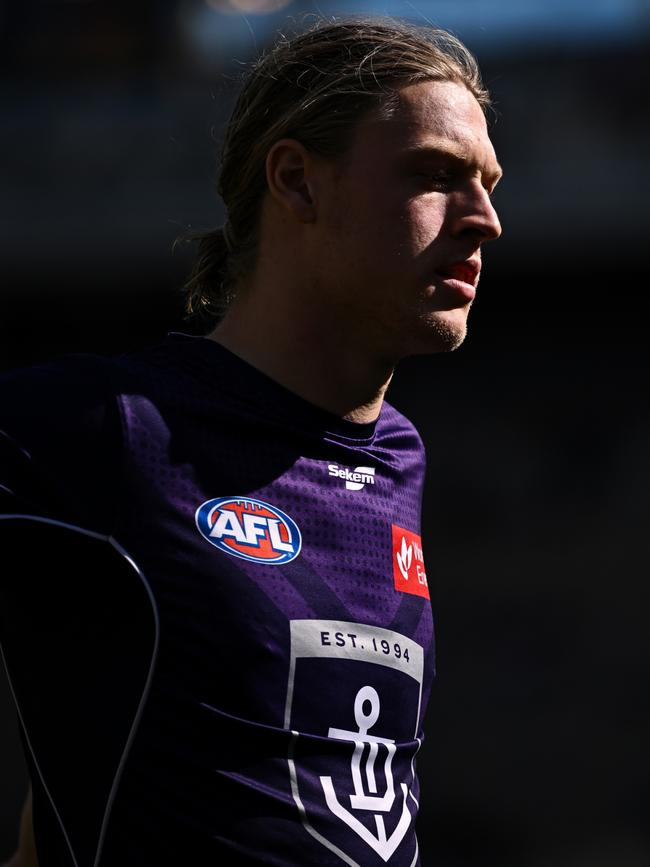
(431, 114)
(444, 108)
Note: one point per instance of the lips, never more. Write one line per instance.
(466, 271)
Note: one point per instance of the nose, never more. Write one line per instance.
(473, 214)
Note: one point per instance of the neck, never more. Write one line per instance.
(310, 350)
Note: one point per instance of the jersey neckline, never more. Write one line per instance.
(265, 390)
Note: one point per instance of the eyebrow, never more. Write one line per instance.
(457, 155)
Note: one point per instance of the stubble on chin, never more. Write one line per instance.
(444, 333)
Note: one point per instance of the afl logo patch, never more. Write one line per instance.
(250, 529)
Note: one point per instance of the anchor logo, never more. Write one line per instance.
(382, 844)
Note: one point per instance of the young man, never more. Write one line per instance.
(232, 661)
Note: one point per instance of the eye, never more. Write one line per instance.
(439, 179)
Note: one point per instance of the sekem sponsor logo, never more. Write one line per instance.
(355, 479)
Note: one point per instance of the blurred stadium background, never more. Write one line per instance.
(538, 429)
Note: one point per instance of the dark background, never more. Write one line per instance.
(537, 429)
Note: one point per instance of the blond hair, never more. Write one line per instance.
(313, 87)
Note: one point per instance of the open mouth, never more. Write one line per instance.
(464, 271)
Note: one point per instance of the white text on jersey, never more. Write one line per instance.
(355, 479)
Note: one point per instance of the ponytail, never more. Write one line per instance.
(207, 293)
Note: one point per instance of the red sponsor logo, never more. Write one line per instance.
(408, 563)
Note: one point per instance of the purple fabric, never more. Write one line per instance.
(260, 667)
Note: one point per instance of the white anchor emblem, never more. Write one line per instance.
(384, 846)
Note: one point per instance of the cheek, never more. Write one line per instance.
(424, 220)
(400, 231)
(382, 235)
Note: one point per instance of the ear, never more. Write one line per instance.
(290, 175)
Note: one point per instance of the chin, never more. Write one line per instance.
(444, 332)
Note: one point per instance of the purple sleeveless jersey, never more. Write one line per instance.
(218, 629)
